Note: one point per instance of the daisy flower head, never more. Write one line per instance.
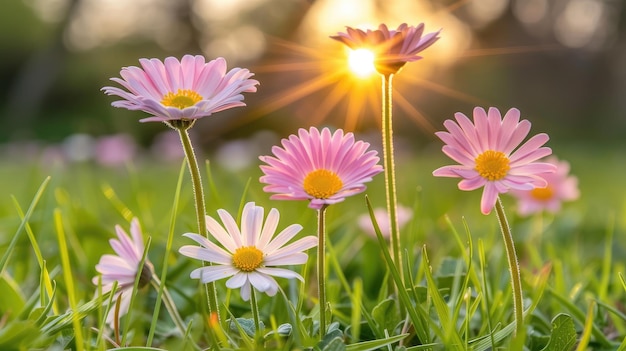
(488, 154)
(185, 90)
(392, 48)
(319, 166)
(249, 255)
(382, 218)
(561, 187)
(122, 267)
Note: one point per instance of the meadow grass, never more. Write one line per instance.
(55, 223)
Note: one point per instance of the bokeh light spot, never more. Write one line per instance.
(361, 62)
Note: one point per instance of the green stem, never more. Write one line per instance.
(255, 315)
(516, 280)
(390, 175)
(168, 301)
(321, 270)
(198, 195)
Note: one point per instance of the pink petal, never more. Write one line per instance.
(489, 198)
(530, 148)
(472, 183)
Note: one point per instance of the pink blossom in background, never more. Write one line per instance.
(122, 267)
(181, 90)
(166, 146)
(561, 187)
(319, 166)
(249, 256)
(392, 48)
(382, 218)
(488, 154)
(115, 150)
(53, 156)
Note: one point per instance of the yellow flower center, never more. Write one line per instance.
(322, 184)
(181, 99)
(492, 165)
(542, 194)
(247, 258)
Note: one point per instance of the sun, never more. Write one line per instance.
(361, 62)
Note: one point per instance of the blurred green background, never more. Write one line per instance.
(561, 62)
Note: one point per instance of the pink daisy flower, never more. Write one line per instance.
(123, 267)
(249, 255)
(392, 48)
(561, 187)
(382, 218)
(181, 90)
(319, 166)
(486, 152)
(115, 150)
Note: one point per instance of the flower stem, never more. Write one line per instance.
(255, 315)
(198, 195)
(389, 166)
(516, 280)
(168, 301)
(321, 270)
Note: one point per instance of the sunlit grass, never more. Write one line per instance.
(461, 285)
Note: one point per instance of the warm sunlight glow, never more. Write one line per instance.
(361, 62)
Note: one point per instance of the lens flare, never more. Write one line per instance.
(361, 62)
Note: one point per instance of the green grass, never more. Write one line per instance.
(458, 292)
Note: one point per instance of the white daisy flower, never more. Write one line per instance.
(249, 256)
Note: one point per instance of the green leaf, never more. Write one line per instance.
(40, 314)
(448, 325)
(17, 335)
(329, 338)
(136, 348)
(386, 314)
(375, 344)
(246, 324)
(563, 336)
(12, 301)
(581, 317)
(336, 344)
(284, 330)
(56, 324)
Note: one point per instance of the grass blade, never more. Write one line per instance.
(416, 319)
(29, 212)
(68, 277)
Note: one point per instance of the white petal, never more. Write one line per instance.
(231, 227)
(135, 231)
(271, 223)
(215, 254)
(282, 238)
(273, 289)
(287, 258)
(237, 280)
(280, 272)
(124, 302)
(217, 231)
(297, 246)
(212, 273)
(251, 223)
(261, 282)
(245, 291)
